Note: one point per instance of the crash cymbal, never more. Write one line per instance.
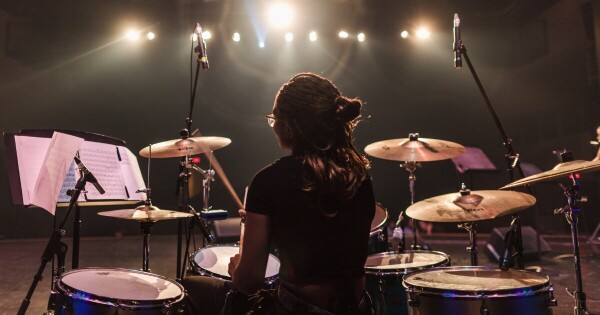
(560, 170)
(183, 147)
(145, 213)
(414, 149)
(476, 206)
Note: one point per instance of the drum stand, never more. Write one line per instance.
(471, 227)
(571, 211)
(411, 167)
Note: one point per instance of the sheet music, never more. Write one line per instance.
(131, 173)
(102, 160)
(59, 157)
(29, 150)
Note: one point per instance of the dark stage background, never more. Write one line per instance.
(61, 68)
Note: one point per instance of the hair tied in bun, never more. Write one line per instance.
(347, 109)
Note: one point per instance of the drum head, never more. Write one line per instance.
(476, 280)
(215, 259)
(380, 218)
(404, 262)
(121, 284)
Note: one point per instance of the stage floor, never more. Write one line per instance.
(21, 259)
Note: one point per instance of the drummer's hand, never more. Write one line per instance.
(233, 264)
(242, 213)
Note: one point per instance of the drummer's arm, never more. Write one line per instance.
(597, 158)
(249, 276)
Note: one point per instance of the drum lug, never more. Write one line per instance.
(381, 283)
(552, 300)
(412, 298)
(484, 309)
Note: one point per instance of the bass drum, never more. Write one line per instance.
(384, 273)
(213, 261)
(378, 238)
(112, 291)
(478, 290)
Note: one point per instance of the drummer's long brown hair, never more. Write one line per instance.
(322, 122)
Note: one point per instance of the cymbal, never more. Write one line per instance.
(476, 206)
(145, 213)
(560, 170)
(183, 147)
(414, 149)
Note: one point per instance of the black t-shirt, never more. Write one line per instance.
(313, 247)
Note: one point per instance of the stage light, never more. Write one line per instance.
(132, 35)
(261, 44)
(404, 34)
(343, 34)
(280, 15)
(289, 37)
(236, 37)
(423, 33)
(312, 36)
(360, 37)
(150, 36)
(206, 35)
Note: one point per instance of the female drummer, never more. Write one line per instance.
(314, 205)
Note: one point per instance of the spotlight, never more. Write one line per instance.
(312, 36)
(404, 34)
(261, 44)
(150, 36)
(132, 35)
(206, 35)
(360, 37)
(236, 37)
(280, 15)
(289, 37)
(343, 34)
(423, 33)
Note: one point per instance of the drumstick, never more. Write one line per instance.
(242, 222)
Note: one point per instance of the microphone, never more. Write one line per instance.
(457, 43)
(201, 48)
(89, 176)
(505, 260)
(196, 217)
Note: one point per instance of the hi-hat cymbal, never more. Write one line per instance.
(145, 213)
(183, 147)
(414, 149)
(476, 206)
(560, 170)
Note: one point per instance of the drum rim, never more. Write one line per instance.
(403, 271)
(75, 293)
(196, 267)
(384, 222)
(476, 294)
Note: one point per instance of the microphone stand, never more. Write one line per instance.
(512, 158)
(184, 173)
(54, 247)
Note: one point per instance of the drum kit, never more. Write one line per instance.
(422, 282)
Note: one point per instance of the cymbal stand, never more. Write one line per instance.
(471, 227)
(571, 212)
(512, 158)
(411, 167)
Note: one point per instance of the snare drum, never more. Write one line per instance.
(378, 239)
(478, 290)
(213, 261)
(384, 273)
(112, 291)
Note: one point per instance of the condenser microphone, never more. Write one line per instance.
(89, 176)
(457, 43)
(201, 48)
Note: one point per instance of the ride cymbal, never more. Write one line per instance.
(145, 213)
(476, 206)
(414, 149)
(183, 147)
(561, 170)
